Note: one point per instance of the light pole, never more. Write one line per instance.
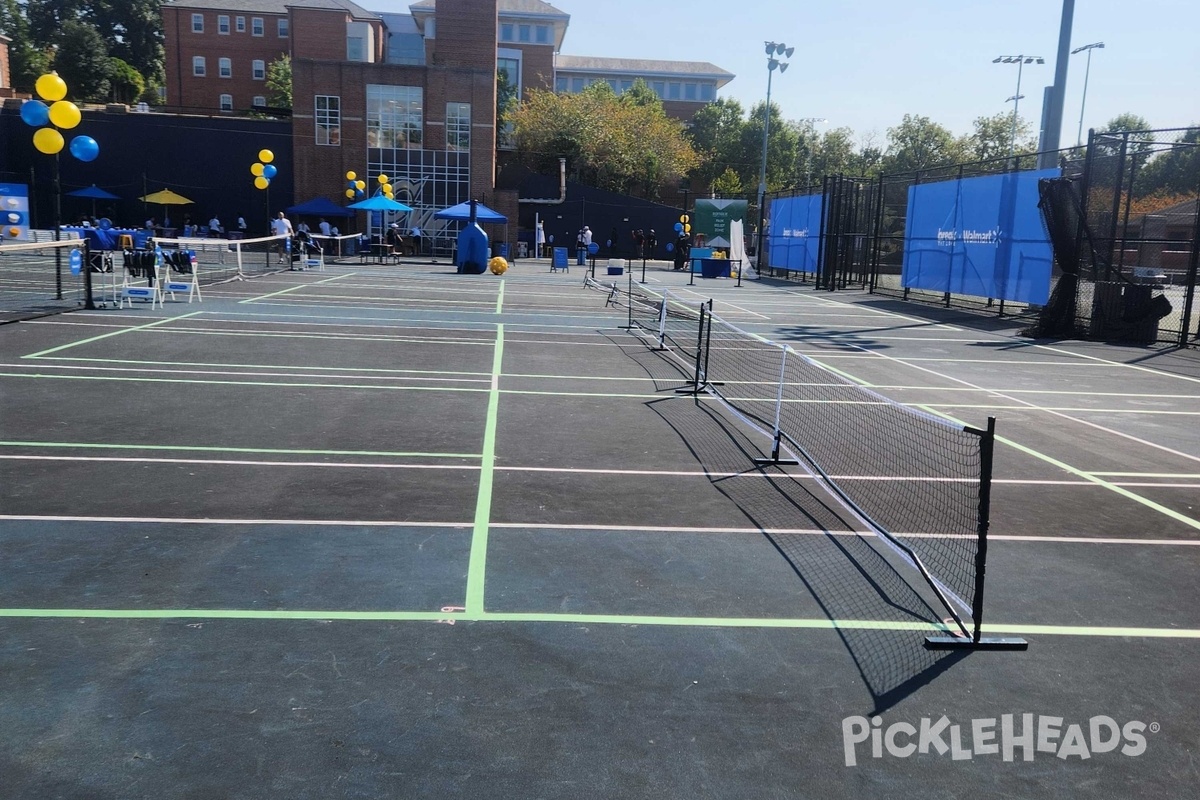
(1020, 61)
(1088, 48)
(772, 49)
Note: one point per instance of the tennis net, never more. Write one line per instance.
(922, 483)
(36, 277)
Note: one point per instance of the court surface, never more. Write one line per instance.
(395, 532)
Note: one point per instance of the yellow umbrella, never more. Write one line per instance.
(166, 198)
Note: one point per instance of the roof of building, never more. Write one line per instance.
(641, 66)
(525, 7)
(273, 6)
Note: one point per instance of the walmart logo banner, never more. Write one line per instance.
(979, 236)
(794, 235)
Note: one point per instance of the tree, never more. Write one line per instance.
(834, 155)
(727, 184)
(127, 83)
(918, 143)
(716, 135)
(133, 31)
(781, 149)
(618, 143)
(992, 137)
(26, 61)
(82, 61)
(1177, 170)
(279, 82)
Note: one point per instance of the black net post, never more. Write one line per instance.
(88, 301)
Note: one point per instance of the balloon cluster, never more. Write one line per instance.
(385, 187)
(684, 225)
(354, 187)
(263, 170)
(60, 113)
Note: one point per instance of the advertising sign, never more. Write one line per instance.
(712, 218)
(794, 235)
(14, 212)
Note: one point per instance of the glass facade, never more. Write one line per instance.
(458, 126)
(328, 117)
(395, 116)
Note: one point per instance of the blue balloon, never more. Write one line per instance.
(85, 148)
(678, 227)
(269, 171)
(35, 113)
(670, 247)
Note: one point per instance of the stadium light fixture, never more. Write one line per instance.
(1087, 48)
(1020, 61)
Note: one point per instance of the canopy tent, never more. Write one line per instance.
(462, 211)
(379, 203)
(166, 197)
(319, 207)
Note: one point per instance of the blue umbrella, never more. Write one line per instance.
(462, 211)
(95, 193)
(379, 203)
(320, 207)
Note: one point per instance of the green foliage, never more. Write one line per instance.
(727, 184)
(128, 84)
(920, 143)
(782, 146)
(26, 60)
(279, 82)
(82, 61)
(615, 143)
(992, 135)
(716, 136)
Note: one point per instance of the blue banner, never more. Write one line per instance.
(795, 234)
(979, 236)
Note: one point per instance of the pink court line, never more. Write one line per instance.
(327, 523)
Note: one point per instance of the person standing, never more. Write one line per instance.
(539, 239)
(415, 233)
(281, 226)
(214, 227)
(323, 226)
(241, 225)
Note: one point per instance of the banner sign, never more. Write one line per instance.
(14, 211)
(979, 236)
(712, 218)
(794, 235)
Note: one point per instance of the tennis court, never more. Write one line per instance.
(393, 532)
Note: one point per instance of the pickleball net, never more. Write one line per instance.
(36, 277)
(921, 482)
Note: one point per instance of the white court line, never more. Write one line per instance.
(245, 374)
(549, 526)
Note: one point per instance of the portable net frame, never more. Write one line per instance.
(36, 277)
(920, 482)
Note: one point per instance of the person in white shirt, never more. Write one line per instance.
(214, 226)
(241, 223)
(302, 227)
(323, 226)
(415, 233)
(281, 226)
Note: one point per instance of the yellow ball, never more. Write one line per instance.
(261, 183)
(266, 156)
(256, 169)
(51, 87)
(65, 114)
(498, 265)
(351, 175)
(48, 141)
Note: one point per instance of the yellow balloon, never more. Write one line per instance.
(65, 114)
(256, 169)
(687, 228)
(266, 156)
(350, 193)
(360, 185)
(383, 178)
(351, 175)
(261, 183)
(48, 141)
(684, 219)
(51, 87)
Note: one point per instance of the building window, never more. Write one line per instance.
(543, 34)
(706, 92)
(576, 85)
(227, 102)
(355, 49)
(524, 33)
(626, 86)
(198, 67)
(258, 70)
(259, 101)
(660, 89)
(509, 62)
(560, 85)
(282, 27)
(256, 26)
(689, 91)
(506, 32)
(240, 23)
(395, 117)
(612, 84)
(225, 67)
(458, 126)
(328, 116)
(223, 24)
(197, 23)
(673, 91)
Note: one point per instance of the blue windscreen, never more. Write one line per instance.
(795, 232)
(979, 236)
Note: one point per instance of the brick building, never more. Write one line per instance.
(5, 75)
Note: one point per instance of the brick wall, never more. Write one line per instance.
(5, 74)
(188, 92)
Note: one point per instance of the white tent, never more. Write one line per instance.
(737, 249)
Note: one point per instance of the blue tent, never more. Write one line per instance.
(462, 211)
(320, 207)
(380, 203)
(93, 192)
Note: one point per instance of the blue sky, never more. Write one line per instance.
(865, 64)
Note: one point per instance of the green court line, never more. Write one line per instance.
(477, 566)
(295, 288)
(267, 366)
(782, 623)
(112, 333)
(272, 384)
(267, 450)
(500, 298)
